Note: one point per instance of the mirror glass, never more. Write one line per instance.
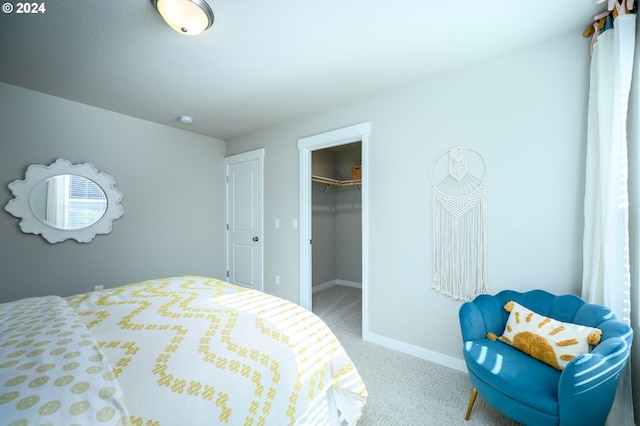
(68, 202)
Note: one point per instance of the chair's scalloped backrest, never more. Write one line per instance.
(590, 314)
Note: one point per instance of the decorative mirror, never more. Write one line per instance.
(65, 201)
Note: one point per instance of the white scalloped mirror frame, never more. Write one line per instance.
(37, 174)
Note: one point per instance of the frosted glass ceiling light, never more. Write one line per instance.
(188, 17)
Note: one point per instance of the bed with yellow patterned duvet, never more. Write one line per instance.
(178, 351)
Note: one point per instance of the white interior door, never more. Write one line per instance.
(245, 219)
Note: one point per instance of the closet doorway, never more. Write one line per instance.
(336, 217)
(334, 153)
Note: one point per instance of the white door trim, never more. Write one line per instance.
(355, 133)
(257, 154)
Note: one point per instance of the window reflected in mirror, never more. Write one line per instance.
(68, 202)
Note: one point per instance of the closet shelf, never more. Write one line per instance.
(334, 183)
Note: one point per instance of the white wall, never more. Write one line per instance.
(525, 112)
(173, 185)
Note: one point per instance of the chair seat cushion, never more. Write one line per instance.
(514, 373)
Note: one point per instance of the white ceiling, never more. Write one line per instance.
(262, 62)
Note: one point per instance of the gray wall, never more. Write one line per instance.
(525, 112)
(323, 219)
(173, 185)
(348, 220)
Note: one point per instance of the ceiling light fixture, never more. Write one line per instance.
(186, 119)
(189, 17)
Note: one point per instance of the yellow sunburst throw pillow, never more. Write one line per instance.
(546, 339)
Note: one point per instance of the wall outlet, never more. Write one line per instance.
(294, 223)
(98, 287)
(276, 279)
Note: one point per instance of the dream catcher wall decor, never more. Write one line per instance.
(459, 223)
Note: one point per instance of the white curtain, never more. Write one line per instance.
(606, 276)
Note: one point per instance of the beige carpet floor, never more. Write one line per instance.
(403, 390)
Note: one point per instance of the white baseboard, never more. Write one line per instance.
(396, 345)
(324, 286)
(435, 357)
(332, 283)
(349, 284)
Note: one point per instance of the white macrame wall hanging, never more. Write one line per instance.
(459, 224)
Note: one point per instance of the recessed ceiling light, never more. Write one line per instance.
(186, 119)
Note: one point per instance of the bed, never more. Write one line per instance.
(178, 351)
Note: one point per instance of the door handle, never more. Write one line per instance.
(255, 238)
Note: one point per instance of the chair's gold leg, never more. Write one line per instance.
(472, 401)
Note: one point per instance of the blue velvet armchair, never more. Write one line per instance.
(530, 391)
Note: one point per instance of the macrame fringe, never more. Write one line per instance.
(459, 243)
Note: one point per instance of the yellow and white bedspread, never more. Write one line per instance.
(51, 370)
(198, 351)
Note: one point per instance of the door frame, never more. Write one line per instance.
(257, 154)
(356, 133)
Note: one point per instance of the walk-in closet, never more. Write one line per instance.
(337, 217)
